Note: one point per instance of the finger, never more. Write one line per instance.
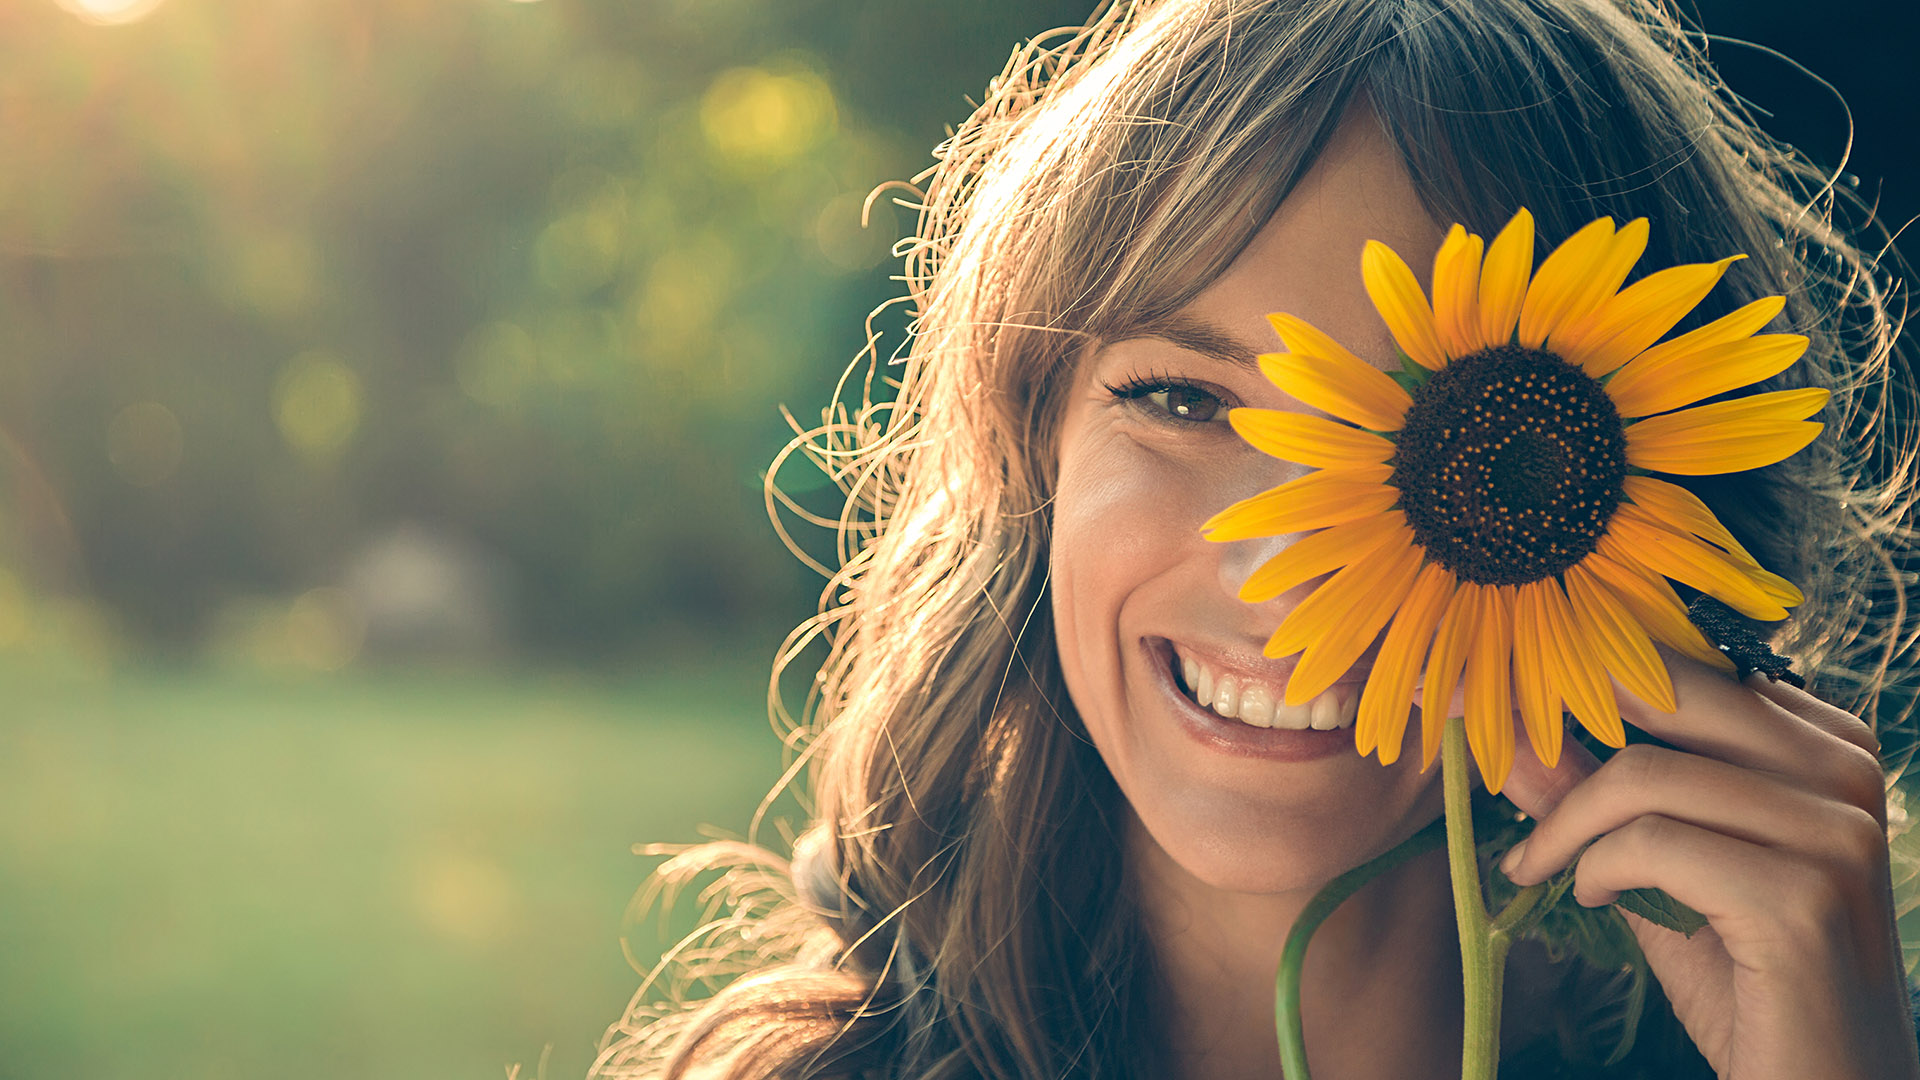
(1641, 780)
(1740, 886)
(1537, 789)
(1810, 949)
(1719, 718)
(1846, 762)
(1719, 876)
(1829, 718)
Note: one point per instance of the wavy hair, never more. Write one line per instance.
(959, 907)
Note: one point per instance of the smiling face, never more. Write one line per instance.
(1149, 626)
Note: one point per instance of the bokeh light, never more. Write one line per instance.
(767, 115)
(463, 896)
(324, 629)
(316, 403)
(110, 12)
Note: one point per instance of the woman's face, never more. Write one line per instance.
(1146, 609)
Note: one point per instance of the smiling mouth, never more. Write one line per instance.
(1256, 702)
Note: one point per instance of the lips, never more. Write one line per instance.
(1283, 736)
(1258, 698)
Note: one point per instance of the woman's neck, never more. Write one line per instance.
(1381, 989)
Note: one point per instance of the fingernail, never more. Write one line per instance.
(1511, 861)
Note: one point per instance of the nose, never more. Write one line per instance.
(1238, 559)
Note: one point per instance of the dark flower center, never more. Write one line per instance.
(1510, 465)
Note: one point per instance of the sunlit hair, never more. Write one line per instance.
(959, 907)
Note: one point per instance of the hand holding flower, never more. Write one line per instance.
(1767, 815)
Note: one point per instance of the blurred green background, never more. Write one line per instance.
(386, 388)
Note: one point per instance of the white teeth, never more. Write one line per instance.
(1292, 717)
(1256, 706)
(1259, 705)
(1226, 697)
(1326, 712)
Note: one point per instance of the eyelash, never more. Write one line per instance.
(1140, 389)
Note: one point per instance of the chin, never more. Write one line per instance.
(1270, 849)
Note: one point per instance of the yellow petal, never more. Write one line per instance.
(1678, 509)
(1388, 698)
(1342, 602)
(1734, 326)
(1335, 387)
(1308, 438)
(1456, 292)
(1317, 500)
(1642, 389)
(1576, 672)
(1503, 279)
(1637, 316)
(1489, 699)
(1784, 592)
(1561, 280)
(1451, 642)
(1652, 602)
(1603, 283)
(1377, 402)
(1401, 303)
(1539, 705)
(1726, 436)
(1381, 582)
(1774, 405)
(1687, 560)
(1324, 552)
(1619, 642)
(1736, 448)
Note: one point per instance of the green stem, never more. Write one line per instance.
(1286, 989)
(1483, 947)
(1519, 915)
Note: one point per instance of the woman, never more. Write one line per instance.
(1035, 854)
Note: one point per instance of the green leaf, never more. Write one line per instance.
(1655, 906)
(1416, 376)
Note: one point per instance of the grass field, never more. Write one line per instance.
(392, 875)
(374, 876)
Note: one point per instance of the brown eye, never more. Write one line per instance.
(1186, 402)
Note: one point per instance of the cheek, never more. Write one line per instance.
(1118, 512)
(1126, 546)
(1127, 517)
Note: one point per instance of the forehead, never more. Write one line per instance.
(1306, 259)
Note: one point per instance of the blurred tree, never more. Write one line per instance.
(279, 282)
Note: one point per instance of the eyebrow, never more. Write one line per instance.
(1204, 338)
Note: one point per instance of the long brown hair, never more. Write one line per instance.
(959, 906)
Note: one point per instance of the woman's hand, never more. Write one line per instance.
(1768, 818)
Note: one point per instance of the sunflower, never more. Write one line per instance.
(1493, 507)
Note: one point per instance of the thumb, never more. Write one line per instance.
(1534, 787)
